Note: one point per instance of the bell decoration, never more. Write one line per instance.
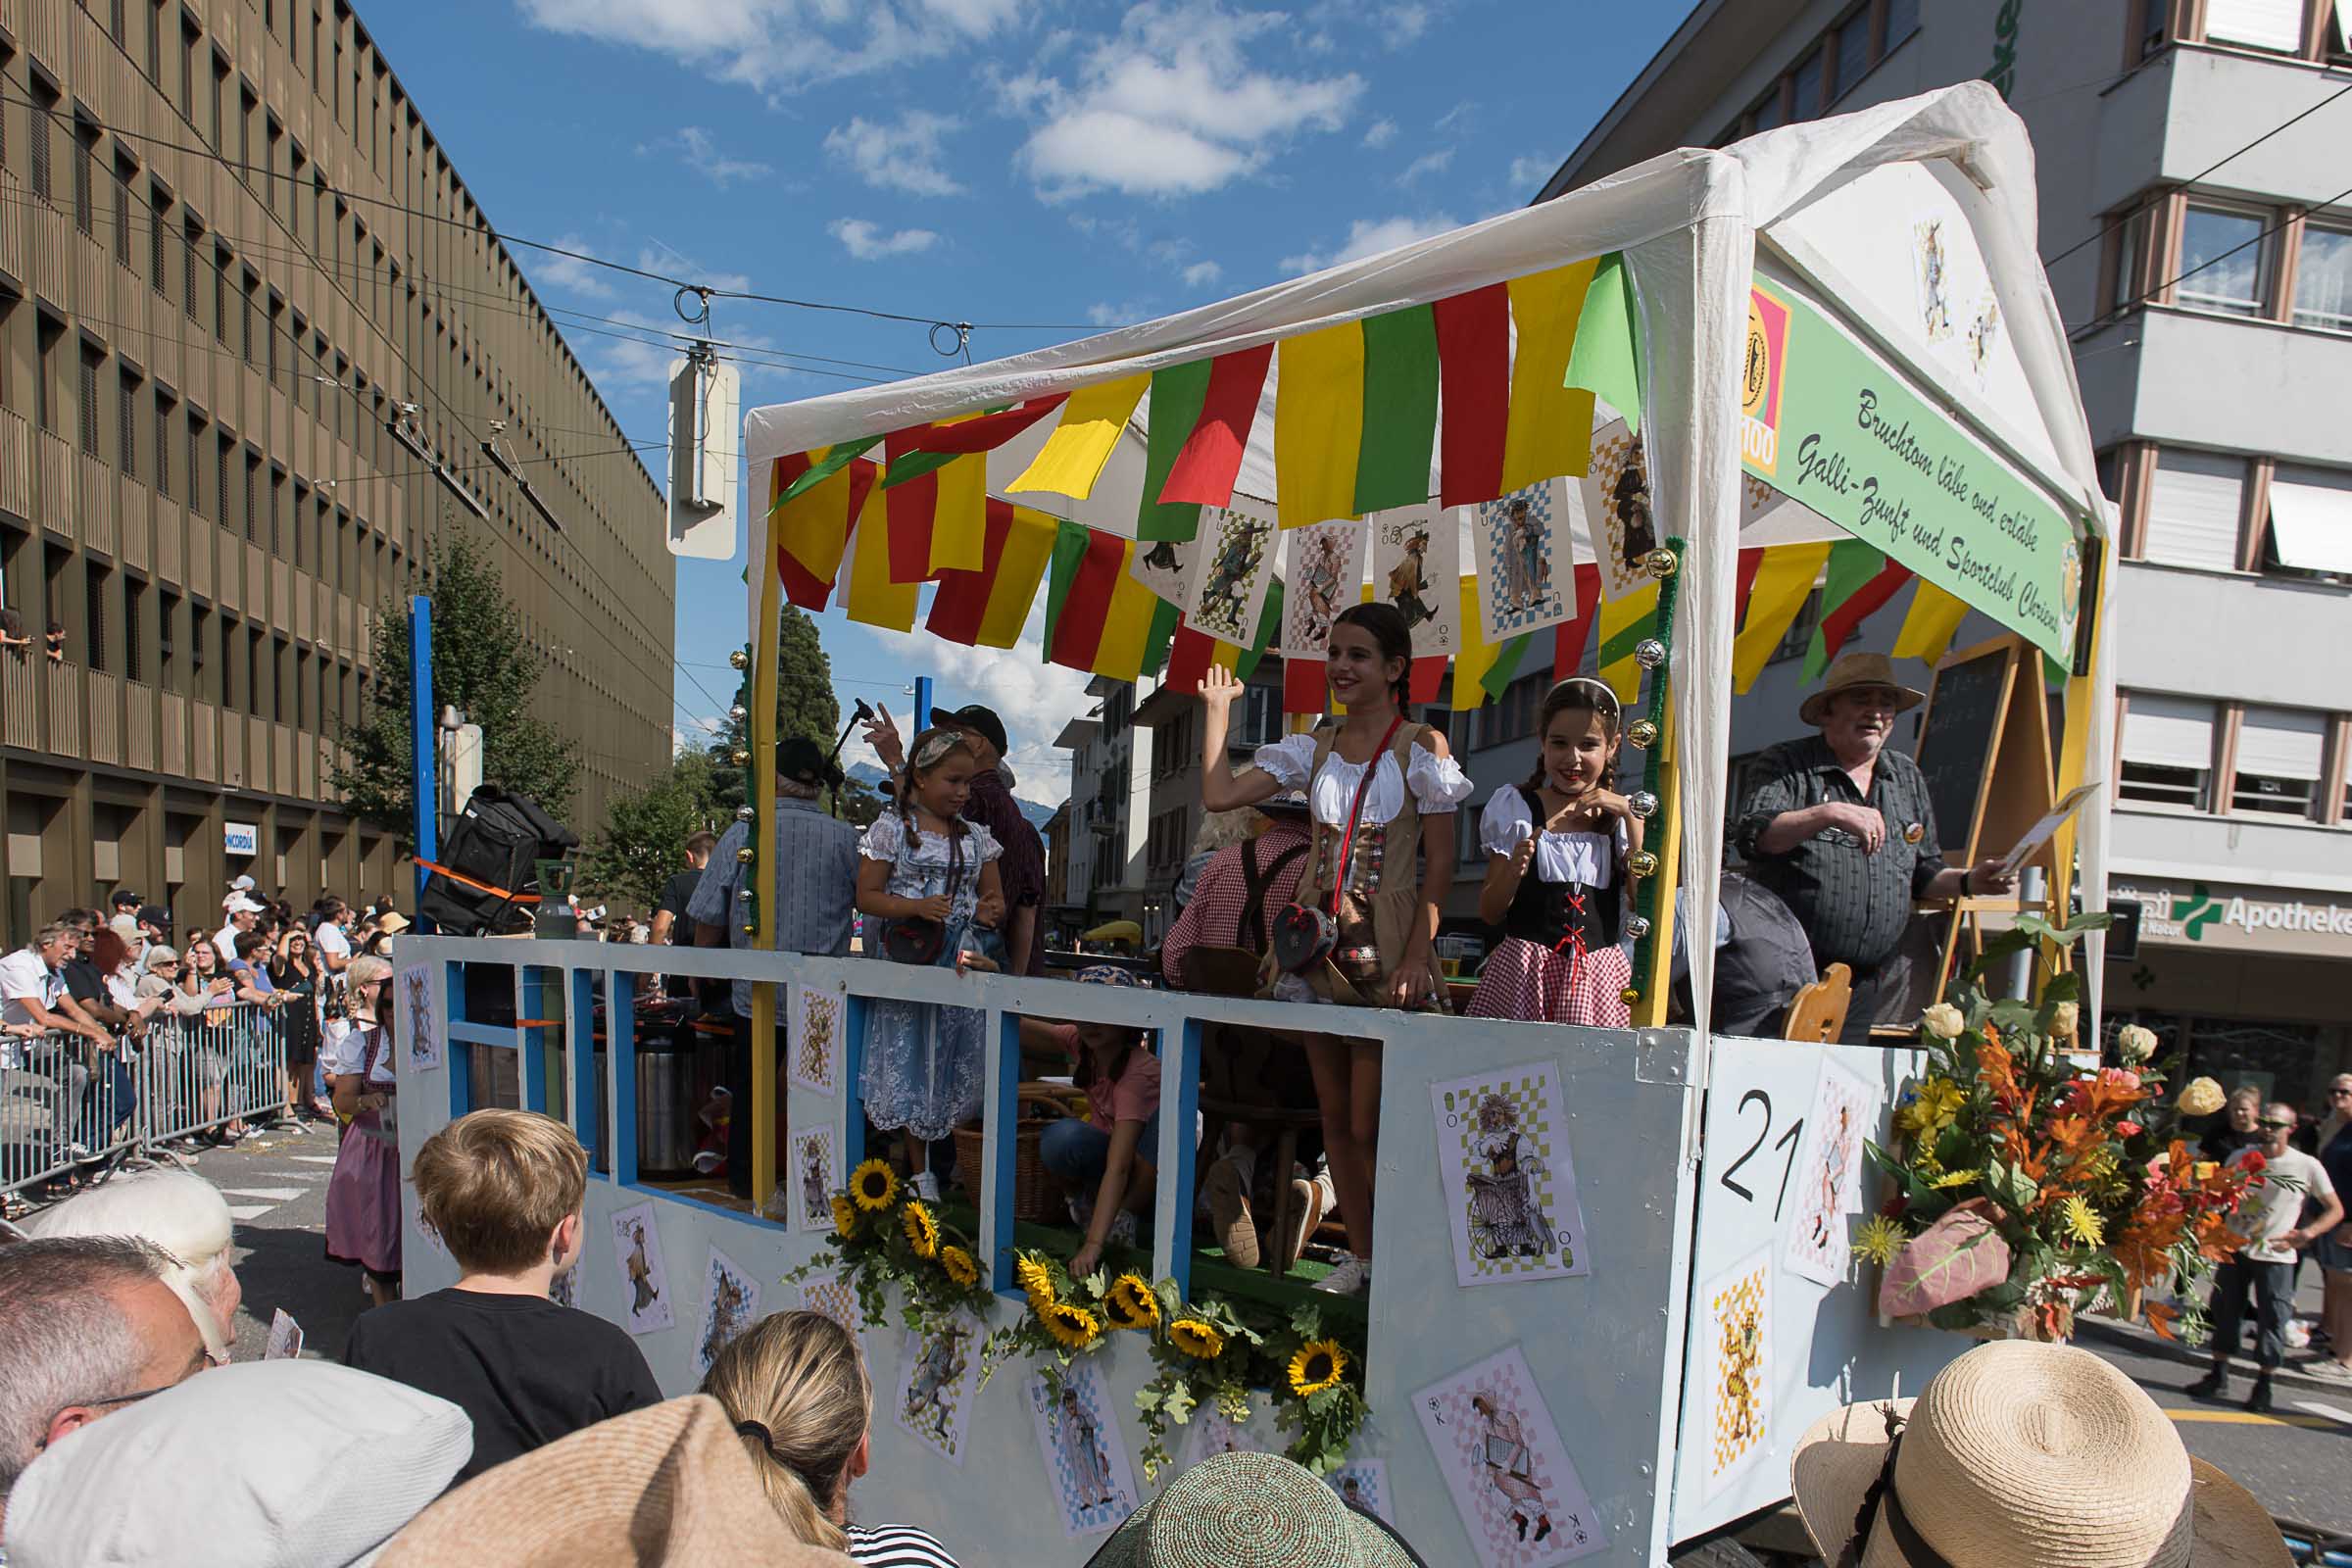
(745, 894)
(1650, 652)
(1660, 563)
(740, 757)
(744, 813)
(741, 658)
(1637, 926)
(744, 855)
(1642, 804)
(1641, 863)
(749, 930)
(739, 712)
(1630, 995)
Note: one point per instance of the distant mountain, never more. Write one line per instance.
(873, 777)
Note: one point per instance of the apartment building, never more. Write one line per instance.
(2200, 245)
(258, 349)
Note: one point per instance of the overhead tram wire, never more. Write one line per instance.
(2105, 317)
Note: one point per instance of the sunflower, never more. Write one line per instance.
(2083, 1221)
(1877, 1240)
(1033, 1278)
(1197, 1339)
(873, 1185)
(922, 1230)
(845, 1216)
(1130, 1303)
(960, 1266)
(1317, 1367)
(1074, 1326)
(1955, 1178)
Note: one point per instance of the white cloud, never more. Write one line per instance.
(1368, 238)
(1453, 117)
(1430, 163)
(1380, 132)
(866, 242)
(1126, 314)
(1530, 174)
(699, 152)
(783, 45)
(901, 156)
(549, 272)
(1405, 24)
(1173, 105)
(1201, 274)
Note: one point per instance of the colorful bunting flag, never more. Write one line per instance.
(927, 448)
(1088, 569)
(1859, 579)
(876, 598)
(1210, 457)
(810, 528)
(1074, 456)
(1177, 395)
(1476, 656)
(1318, 424)
(1783, 581)
(988, 606)
(836, 458)
(1506, 668)
(1165, 617)
(1474, 373)
(1305, 684)
(1931, 623)
(1401, 409)
(1608, 356)
(937, 517)
(1568, 638)
(1549, 433)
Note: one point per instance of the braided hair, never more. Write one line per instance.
(1578, 694)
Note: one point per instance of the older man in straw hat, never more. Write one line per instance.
(1841, 828)
(2020, 1452)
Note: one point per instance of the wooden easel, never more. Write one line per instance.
(1995, 735)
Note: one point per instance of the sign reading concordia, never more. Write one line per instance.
(240, 838)
(1827, 422)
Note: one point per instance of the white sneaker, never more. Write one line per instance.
(1352, 1276)
(2328, 1369)
(926, 1185)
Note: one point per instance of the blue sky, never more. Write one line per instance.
(1074, 164)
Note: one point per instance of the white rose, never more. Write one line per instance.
(2064, 1016)
(1943, 1020)
(2134, 1044)
(2201, 1097)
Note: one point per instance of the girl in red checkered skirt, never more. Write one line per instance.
(1556, 848)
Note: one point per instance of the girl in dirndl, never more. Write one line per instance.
(1556, 849)
(1409, 787)
(363, 1195)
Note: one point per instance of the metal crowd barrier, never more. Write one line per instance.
(67, 1105)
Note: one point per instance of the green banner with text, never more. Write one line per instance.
(1829, 424)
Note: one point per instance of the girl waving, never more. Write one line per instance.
(1383, 792)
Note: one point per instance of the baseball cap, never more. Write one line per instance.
(124, 896)
(156, 914)
(241, 905)
(984, 722)
(802, 760)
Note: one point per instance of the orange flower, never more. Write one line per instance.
(2161, 1318)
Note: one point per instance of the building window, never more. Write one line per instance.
(2279, 753)
(1799, 635)
(2194, 499)
(190, 238)
(2311, 520)
(126, 424)
(2167, 751)
(195, 464)
(1852, 48)
(125, 173)
(2222, 261)
(87, 404)
(2324, 279)
(93, 629)
(1805, 88)
(1903, 20)
(86, 177)
(164, 410)
(43, 126)
(134, 601)
(157, 270)
(2275, 24)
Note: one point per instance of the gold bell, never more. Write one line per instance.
(1630, 995)
(1660, 563)
(1641, 863)
(1642, 734)
(740, 757)
(741, 658)
(749, 930)
(744, 855)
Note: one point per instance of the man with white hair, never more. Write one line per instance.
(88, 1326)
(183, 1215)
(243, 913)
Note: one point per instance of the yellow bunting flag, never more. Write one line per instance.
(960, 522)
(874, 599)
(1018, 570)
(1549, 433)
(1074, 456)
(1127, 627)
(1476, 656)
(1781, 583)
(1931, 623)
(1619, 617)
(1318, 424)
(813, 527)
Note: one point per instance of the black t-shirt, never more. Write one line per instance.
(674, 894)
(527, 1370)
(82, 980)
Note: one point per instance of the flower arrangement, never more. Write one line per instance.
(2025, 1186)
(883, 1236)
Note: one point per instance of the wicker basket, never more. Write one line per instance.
(1037, 1104)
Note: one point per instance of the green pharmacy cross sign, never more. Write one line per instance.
(1829, 424)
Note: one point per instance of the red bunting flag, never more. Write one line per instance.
(1210, 457)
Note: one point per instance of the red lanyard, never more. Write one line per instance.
(1363, 787)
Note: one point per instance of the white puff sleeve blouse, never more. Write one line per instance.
(1588, 859)
(1437, 783)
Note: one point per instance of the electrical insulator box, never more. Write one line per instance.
(704, 452)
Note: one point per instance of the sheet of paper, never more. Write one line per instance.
(730, 1305)
(833, 1295)
(2041, 832)
(1165, 566)
(812, 1179)
(413, 990)
(1734, 1398)
(813, 1042)
(637, 1247)
(285, 1337)
(1618, 524)
(1210, 1434)
(1230, 574)
(1508, 1176)
(1517, 1491)
(1526, 581)
(1078, 1438)
(939, 1384)
(1364, 1484)
(564, 1289)
(1827, 1184)
(1416, 566)
(1323, 574)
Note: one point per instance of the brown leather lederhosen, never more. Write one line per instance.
(1376, 909)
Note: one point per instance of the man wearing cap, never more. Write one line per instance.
(243, 913)
(813, 872)
(1022, 865)
(1841, 828)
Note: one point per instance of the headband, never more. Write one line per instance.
(928, 754)
(1607, 694)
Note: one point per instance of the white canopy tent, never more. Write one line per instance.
(1828, 210)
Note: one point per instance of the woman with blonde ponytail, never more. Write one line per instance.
(796, 1387)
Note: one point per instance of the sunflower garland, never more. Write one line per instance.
(874, 1185)
(1316, 1367)
(1034, 1280)
(1197, 1339)
(845, 1216)
(1072, 1325)
(1131, 1303)
(960, 1266)
(888, 1241)
(922, 1230)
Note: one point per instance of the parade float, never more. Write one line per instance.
(1647, 416)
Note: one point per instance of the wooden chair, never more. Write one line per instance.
(1239, 1075)
(1818, 1013)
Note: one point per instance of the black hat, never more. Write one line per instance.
(154, 914)
(800, 761)
(983, 722)
(123, 895)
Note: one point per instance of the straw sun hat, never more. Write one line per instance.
(2020, 1452)
(1858, 669)
(1250, 1510)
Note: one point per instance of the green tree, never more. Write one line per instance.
(805, 706)
(640, 844)
(481, 668)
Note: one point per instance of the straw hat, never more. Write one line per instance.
(1859, 669)
(1250, 1510)
(2021, 1453)
(666, 1486)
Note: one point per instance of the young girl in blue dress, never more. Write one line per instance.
(930, 876)
(1556, 848)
